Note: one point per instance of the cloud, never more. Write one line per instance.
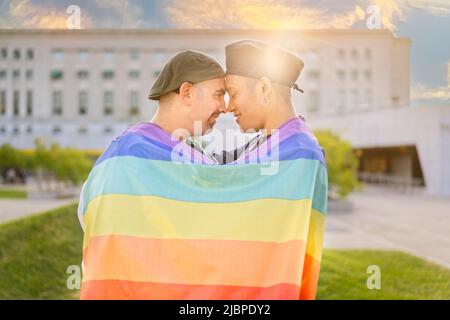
(251, 14)
(104, 14)
(434, 7)
(426, 93)
(391, 12)
(421, 91)
(24, 14)
(286, 14)
(257, 14)
(129, 14)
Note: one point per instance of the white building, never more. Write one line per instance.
(81, 88)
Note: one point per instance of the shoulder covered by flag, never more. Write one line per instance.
(159, 229)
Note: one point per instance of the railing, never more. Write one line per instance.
(402, 184)
(46, 186)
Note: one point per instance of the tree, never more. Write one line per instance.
(342, 163)
(65, 164)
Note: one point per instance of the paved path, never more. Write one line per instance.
(419, 225)
(11, 209)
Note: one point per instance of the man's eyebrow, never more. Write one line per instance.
(221, 91)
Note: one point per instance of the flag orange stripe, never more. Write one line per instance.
(207, 262)
(122, 289)
(310, 278)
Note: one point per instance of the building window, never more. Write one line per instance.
(16, 74)
(368, 98)
(56, 75)
(108, 74)
(16, 54)
(109, 55)
(341, 101)
(82, 130)
(57, 55)
(29, 74)
(16, 130)
(83, 74)
(368, 54)
(2, 130)
(57, 103)
(30, 54)
(313, 75)
(29, 129)
(134, 54)
(159, 56)
(2, 74)
(368, 75)
(133, 74)
(395, 100)
(313, 101)
(16, 101)
(354, 98)
(4, 53)
(107, 130)
(82, 102)
(56, 130)
(29, 103)
(341, 54)
(83, 55)
(3, 102)
(354, 75)
(341, 75)
(134, 103)
(354, 54)
(108, 101)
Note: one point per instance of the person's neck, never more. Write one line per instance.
(279, 115)
(165, 121)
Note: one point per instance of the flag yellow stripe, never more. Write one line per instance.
(273, 220)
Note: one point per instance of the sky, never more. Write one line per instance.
(425, 22)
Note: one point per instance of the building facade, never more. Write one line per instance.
(81, 88)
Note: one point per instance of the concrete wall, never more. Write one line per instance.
(426, 128)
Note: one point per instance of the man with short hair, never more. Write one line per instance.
(190, 91)
(259, 78)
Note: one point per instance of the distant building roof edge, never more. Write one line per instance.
(198, 31)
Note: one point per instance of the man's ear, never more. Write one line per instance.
(186, 93)
(265, 85)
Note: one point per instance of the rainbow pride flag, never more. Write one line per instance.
(156, 228)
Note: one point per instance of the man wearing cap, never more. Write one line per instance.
(259, 79)
(190, 90)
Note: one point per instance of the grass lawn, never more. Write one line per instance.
(36, 251)
(13, 194)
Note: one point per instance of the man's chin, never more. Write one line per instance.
(248, 129)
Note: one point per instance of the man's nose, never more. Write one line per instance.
(222, 106)
(230, 107)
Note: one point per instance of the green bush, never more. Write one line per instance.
(342, 163)
(12, 158)
(66, 164)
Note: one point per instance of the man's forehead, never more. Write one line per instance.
(214, 84)
(221, 86)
